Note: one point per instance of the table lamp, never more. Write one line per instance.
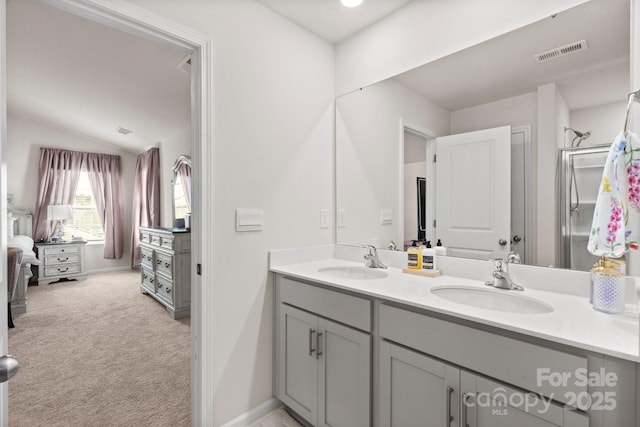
(59, 213)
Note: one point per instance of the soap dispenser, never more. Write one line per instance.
(440, 250)
(428, 257)
(414, 256)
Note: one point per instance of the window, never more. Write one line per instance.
(86, 221)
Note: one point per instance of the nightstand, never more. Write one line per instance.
(64, 260)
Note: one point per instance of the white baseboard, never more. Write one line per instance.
(255, 413)
(109, 270)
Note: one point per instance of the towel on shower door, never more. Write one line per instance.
(611, 234)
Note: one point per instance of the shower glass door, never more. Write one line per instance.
(580, 176)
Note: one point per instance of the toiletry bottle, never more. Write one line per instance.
(594, 267)
(428, 257)
(414, 256)
(608, 287)
(440, 250)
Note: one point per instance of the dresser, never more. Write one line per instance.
(63, 260)
(165, 261)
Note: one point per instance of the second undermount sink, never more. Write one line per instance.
(497, 300)
(353, 272)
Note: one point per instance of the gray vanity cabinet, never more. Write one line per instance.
(323, 364)
(416, 389)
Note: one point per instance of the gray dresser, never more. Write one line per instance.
(165, 260)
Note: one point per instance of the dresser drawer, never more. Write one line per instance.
(166, 242)
(145, 237)
(165, 289)
(154, 240)
(66, 249)
(146, 257)
(164, 264)
(148, 279)
(62, 258)
(59, 270)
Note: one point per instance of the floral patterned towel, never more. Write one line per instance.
(611, 235)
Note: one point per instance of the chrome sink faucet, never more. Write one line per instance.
(371, 257)
(501, 277)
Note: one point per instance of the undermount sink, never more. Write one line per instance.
(497, 300)
(353, 272)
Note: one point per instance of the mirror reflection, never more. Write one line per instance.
(181, 191)
(558, 84)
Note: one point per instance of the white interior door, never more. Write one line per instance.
(473, 209)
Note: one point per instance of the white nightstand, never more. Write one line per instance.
(63, 260)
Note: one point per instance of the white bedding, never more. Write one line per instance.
(26, 244)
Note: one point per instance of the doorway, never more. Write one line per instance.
(123, 16)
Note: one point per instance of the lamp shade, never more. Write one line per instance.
(59, 212)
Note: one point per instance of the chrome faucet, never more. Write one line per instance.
(501, 277)
(371, 257)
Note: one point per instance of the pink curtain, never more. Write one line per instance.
(185, 178)
(105, 177)
(57, 181)
(146, 197)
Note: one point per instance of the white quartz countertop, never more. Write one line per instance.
(572, 322)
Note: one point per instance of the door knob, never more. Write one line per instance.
(8, 367)
(517, 238)
(502, 242)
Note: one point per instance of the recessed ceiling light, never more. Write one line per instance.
(351, 3)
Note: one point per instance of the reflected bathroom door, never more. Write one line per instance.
(473, 182)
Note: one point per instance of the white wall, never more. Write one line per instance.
(604, 122)
(25, 137)
(430, 30)
(273, 144)
(368, 148)
(553, 116)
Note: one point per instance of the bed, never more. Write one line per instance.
(19, 235)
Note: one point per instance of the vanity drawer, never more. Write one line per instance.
(507, 359)
(62, 269)
(164, 264)
(343, 308)
(62, 258)
(146, 257)
(165, 289)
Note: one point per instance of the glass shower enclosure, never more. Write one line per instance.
(580, 175)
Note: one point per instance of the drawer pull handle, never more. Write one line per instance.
(63, 260)
(168, 290)
(447, 415)
(159, 285)
(158, 261)
(318, 337)
(151, 280)
(63, 271)
(167, 265)
(463, 409)
(311, 349)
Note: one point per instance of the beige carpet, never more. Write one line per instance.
(99, 353)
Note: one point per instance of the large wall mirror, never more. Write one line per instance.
(181, 191)
(499, 118)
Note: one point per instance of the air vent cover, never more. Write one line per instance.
(562, 51)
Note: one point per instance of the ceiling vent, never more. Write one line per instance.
(124, 131)
(562, 51)
(185, 64)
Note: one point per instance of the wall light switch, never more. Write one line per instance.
(249, 219)
(324, 218)
(386, 216)
(342, 221)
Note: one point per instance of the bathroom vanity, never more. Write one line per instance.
(360, 347)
